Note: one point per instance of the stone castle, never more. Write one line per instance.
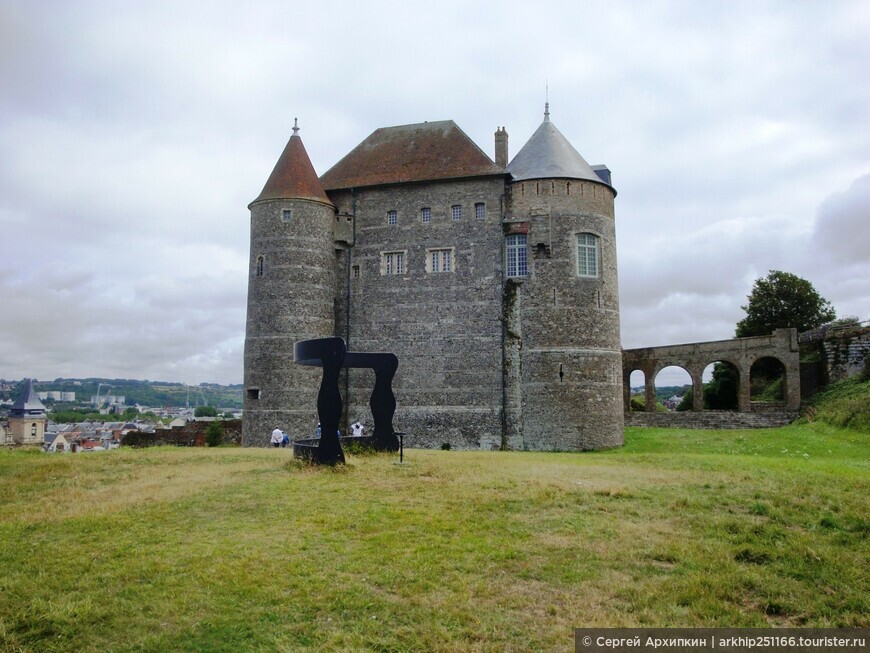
(493, 281)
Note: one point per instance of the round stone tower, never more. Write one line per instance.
(563, 357)
(291, 293)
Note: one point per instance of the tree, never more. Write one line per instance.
(205, 411)
(214, 434)
(782, 300)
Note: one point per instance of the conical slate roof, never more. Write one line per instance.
(293, 176)
(423, 151)
(28, 403)
(549, 155)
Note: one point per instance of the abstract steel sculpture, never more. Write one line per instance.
(331, 354)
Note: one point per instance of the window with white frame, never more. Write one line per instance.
(517, 255)
(587, 255)
(480, 210)
(393, 263)
(426, 214)
(392, 217)
(439, 260)
(456, 211)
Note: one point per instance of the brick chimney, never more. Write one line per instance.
(501, 147)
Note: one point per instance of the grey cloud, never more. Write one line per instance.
(133, 137)
(842, 229)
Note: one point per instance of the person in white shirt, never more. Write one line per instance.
(277, 436)
(356, 429)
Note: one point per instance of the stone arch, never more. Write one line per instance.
(671, 366)
(635, 377)
(739, 352)
(728, 382)
(767, 376)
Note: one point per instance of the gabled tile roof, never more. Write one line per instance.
(424, 151)
(293, 176)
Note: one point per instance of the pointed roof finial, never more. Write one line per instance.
(295, 126)
(547, 101)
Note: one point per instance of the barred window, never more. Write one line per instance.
(480, 210)
(517, 255)
(440, 260)
(393, 263)
(392, 217)
(261, 261)
(426, 214)
(356, 272)
(587, 255)
(456, 211)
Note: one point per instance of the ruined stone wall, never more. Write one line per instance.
(293, 300)
(567, 325)
(846, 353)
(445, 327)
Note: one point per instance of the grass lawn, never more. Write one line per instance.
(245, 550)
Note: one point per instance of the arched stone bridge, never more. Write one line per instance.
(742, 353)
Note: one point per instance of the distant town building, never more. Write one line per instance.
(27, 418)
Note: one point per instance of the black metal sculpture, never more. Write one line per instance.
(332, 355)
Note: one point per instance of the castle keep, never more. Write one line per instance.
(494, 282)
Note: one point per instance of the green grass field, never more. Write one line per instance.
(245, 550)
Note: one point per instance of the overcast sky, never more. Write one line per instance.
(134, 134)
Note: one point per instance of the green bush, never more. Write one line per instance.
(214, 434)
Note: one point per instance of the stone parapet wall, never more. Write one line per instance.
(712, 419)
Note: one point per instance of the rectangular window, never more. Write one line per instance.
(356, 272)
(254, 393)
(480, 210)
(261, 262)
(587, 255)
(426, 214)
(392, 217)
(456, 211)
(393, 263)
(287, 215)
(440, 260)
(517, 255)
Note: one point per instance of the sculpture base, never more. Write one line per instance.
(306, 448)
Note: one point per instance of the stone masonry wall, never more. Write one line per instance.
(712, 419)
(445, 327)
(846, 354)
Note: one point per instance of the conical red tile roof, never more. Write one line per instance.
(293, 176)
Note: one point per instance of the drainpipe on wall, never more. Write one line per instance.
(504, 417)
(347, 313)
